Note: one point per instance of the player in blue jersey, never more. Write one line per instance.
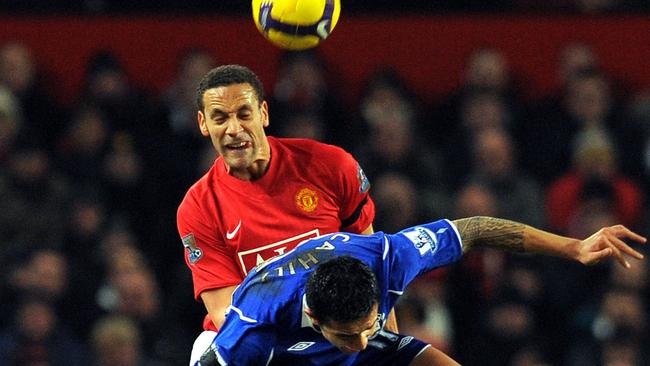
(326, 302)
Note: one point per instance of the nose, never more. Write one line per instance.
(359, 344)
(233, 126)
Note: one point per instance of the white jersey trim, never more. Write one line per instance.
(241, 314)
(453, 226)
(422, 350)
(220, 359)
(386, 247)
(268, 362)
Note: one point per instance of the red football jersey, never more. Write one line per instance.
(229, 225)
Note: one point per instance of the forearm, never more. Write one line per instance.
(216, 302)
(482, 231)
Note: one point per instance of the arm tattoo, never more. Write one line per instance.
(491, 232)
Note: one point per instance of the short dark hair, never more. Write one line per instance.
(228, 75)
(342, 289)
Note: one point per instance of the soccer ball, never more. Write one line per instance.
(296, 24)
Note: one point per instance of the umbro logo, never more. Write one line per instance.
(300, 346)
(231, 234)
(404, 342)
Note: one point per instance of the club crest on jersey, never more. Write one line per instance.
(194, 253)
(307, 199)
(423, 239)
(364, 183)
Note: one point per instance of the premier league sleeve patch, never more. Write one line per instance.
(364, 183)
(194, 253)
(423, 239)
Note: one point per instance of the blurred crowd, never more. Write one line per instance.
(92, 266)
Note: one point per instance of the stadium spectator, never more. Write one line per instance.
(130, 288)
(179, 129)
(431, 312)
(305, 86)
(20, 72)
(38, 337)
(476, 278)
(43, 273)
(10, 124)
(179, 98)
(397, 201)
(34, 196)
(587, 103)
(479, 111)
(494, 165)
(117, 341)
(109, 88)
(574, 58)
(83, 145)
(594, 175)
(393, 143)
(304, 125)
(486, 72)
(414, 315)
(613, 332)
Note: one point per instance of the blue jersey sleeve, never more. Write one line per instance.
(244, 342)
(420, 249)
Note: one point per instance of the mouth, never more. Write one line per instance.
(240, 145)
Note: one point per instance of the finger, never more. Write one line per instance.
(620, 244)
(595, 257)
(617, 253)
(622, 231)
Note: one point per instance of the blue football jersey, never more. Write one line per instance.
(266, 324)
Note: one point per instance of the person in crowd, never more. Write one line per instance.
(42, 116)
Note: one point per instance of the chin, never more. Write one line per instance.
(347, 351)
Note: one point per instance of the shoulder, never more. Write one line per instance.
(284, 290)
(308, 148)
(195, 196)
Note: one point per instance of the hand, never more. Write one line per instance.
(607, 242)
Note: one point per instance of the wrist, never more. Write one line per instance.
(571, 249)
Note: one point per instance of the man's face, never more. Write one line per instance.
(351, 337)
(234, 120)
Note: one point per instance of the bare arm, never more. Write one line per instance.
(369, 230)
(515, 236)
(433, 357)
(216, 301)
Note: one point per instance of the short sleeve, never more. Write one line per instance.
(420, 249)
(357, 207)
(244, 342)
(207, 256)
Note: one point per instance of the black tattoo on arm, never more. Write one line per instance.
(491, 232)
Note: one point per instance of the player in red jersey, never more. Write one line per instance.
(262, 196)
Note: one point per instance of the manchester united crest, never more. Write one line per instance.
(307, 199)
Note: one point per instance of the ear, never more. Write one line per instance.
(264, 109)
(311, 316)
(203, 126)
